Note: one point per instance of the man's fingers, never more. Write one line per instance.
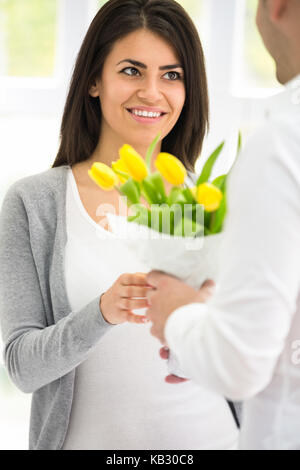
(153, 277)
(164, 353)
(206, 291)
(173, 379)
(208, 284)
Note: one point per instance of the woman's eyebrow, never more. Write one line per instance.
(143, 66)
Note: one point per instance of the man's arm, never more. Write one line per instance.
(233, 342)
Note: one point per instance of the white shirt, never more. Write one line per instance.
(121, 400)
(245, 342)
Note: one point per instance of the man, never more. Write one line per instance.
(244, 342)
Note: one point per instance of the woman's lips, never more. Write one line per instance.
(145, 120)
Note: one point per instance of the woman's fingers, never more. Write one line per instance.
(132, 304)
(134, 291)
(134, 279)
(139, 319)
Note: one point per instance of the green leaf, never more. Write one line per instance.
(207, 169)
(219, 217)
(207, 219)
(150, 151)
(188, 220)
(239, 148)
(121, 173)
(142, 215)
(151, 193)
(157, 182)
(187, 227)
(176, 196)
(188, 195)
(131, 189)
(220, 182)
(161, 218)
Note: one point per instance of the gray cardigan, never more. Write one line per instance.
(44, 341)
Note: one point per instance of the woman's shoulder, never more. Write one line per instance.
(41, 183)
(35, 192)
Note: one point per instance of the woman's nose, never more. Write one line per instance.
(150, 90)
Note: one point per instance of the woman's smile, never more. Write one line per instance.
(146, 115)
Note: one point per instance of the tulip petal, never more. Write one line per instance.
(171, 168)
(134, 163)
(103, 176)
(209, 196)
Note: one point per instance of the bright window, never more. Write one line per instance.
(28, 37)
(193, 7)
(255, 68)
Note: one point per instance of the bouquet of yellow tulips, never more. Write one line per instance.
(173, 226)
(186, 211)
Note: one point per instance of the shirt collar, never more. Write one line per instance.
(287, 101)
(293, 90)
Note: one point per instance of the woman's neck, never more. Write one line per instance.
(108, 148)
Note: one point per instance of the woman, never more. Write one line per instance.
(71, 335)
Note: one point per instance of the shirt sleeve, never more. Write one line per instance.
(36, 354)
(232, 343)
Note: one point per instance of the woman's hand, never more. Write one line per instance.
(117, 303)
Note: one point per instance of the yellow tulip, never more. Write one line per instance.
(209, 196)
(134, 163)
(119, 166)
(103, 176)
(171, 168)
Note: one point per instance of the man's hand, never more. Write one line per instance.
(170, 293)
(170, 379)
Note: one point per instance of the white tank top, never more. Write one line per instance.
(121, 400)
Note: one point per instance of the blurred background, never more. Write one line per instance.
(39, 41)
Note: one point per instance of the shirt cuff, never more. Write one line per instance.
(178, 326)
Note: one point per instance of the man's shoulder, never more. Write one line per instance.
(273, 140)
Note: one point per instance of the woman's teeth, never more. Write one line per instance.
(145, 113)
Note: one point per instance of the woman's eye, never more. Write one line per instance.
(174, 76)
(132, 72)
(131, 69)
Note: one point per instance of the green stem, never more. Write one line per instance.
(212, 220)
(150, 151)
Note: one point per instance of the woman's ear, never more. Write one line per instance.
(94, 90)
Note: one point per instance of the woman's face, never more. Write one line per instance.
(142, 74)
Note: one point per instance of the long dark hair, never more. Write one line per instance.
(81, 120)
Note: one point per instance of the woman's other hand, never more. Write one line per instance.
(117, 303)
